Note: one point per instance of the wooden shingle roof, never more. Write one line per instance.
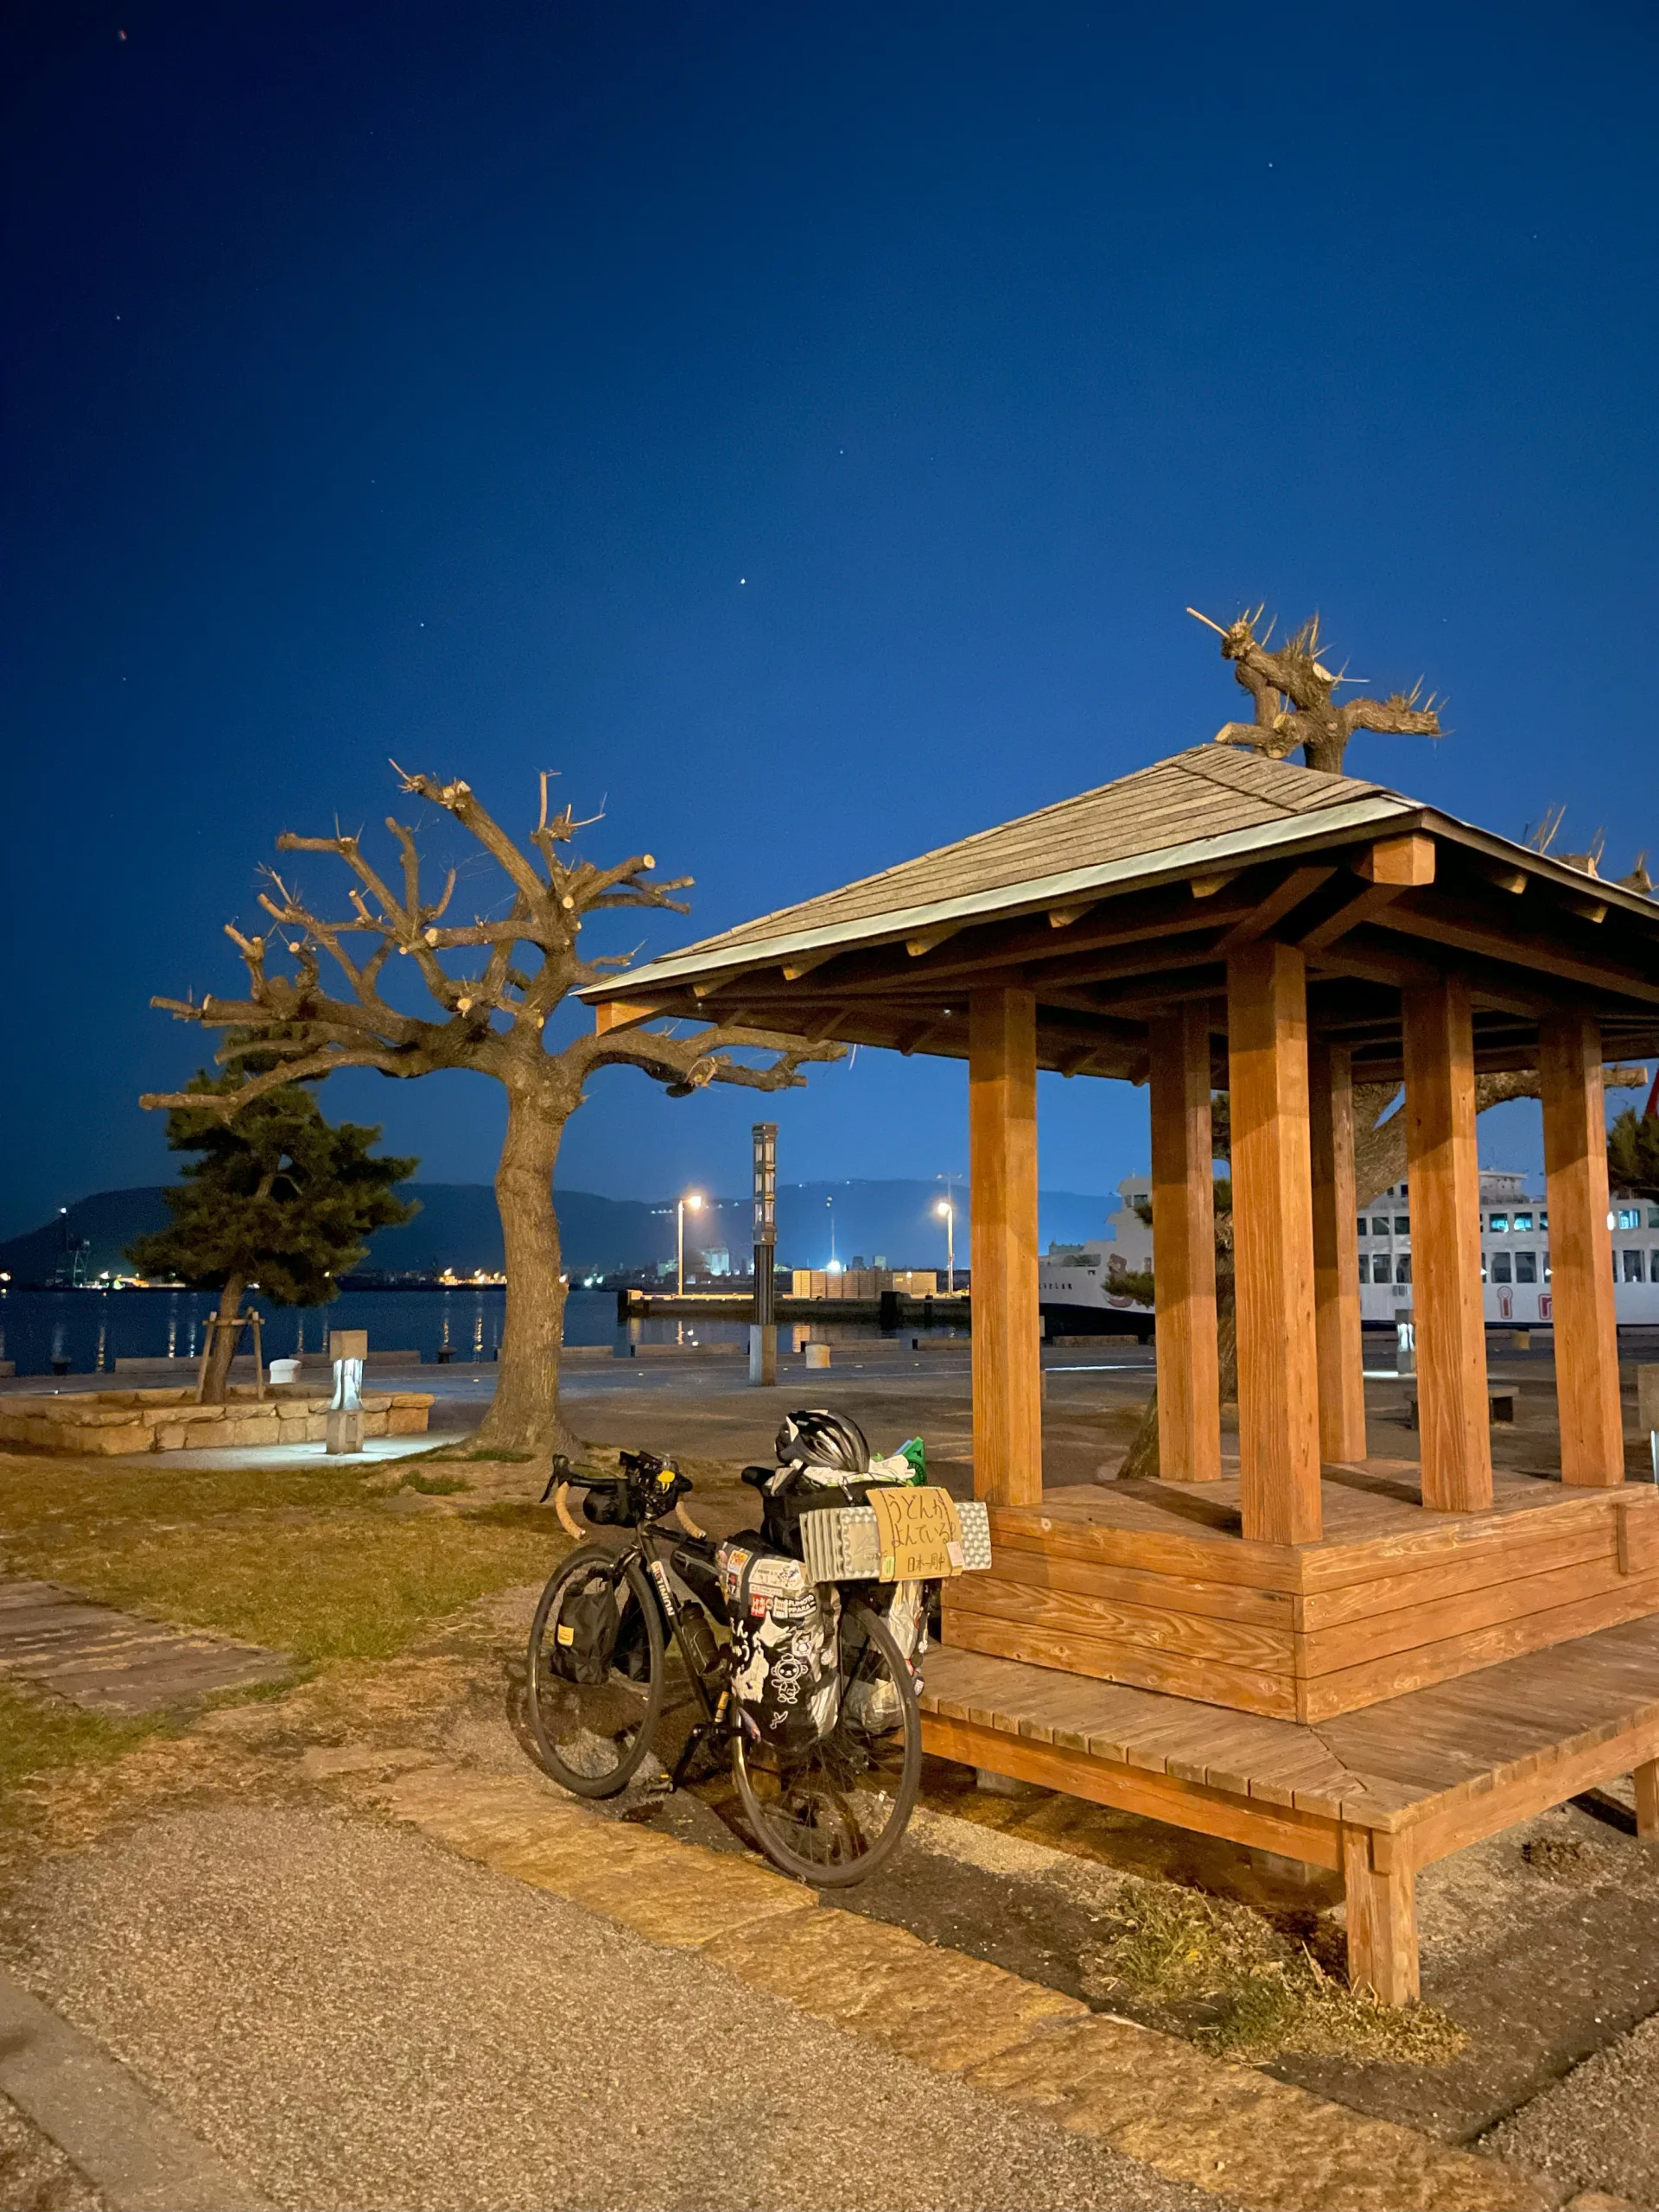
(1115, 906)
(1208, 803)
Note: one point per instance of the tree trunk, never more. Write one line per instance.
(1141, 1462)
(524, 1415)
(217, 1380)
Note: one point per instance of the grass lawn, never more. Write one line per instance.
(312, 1559)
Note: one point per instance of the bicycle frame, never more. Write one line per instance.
(646, 1534)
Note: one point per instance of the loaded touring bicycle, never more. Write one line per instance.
(799, 1643)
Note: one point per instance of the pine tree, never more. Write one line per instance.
(1633, 1154)
(279, 1198)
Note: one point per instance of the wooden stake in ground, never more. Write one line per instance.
(496, 982)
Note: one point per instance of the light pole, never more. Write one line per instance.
(947, 1212)
(691, 1203)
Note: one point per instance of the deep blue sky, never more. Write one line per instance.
(802, 427)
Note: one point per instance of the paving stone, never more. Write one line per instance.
(941, 2008)
(1238, 2132)
(110, 1662)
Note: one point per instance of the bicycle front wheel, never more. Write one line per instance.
(596, 1672)
(836, 1814)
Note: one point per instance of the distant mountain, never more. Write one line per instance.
(458, 1227)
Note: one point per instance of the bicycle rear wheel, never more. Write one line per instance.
(592, 1735)
(836, 1814)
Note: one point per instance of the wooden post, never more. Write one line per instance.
(1382, 1914)
(1646, 1778)
(1273, 1244)
(1580, 1252)
(1184, 1249)
(1336, 1252)
(1446, 1301)
(1002, 1174)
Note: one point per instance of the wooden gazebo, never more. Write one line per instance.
(1223, 920)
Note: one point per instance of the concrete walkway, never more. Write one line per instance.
(351, 2017)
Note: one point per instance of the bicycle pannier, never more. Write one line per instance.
(584, 1636)
(784, 1646)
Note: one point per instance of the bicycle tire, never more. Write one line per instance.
(772, 1832)
(566, 1717)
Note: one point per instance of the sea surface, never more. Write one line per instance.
(85, 1331)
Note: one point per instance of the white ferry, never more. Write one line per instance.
(1077, 1298)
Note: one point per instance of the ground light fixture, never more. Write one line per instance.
(690, 1203)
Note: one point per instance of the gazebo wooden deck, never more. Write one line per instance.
(1223, 921)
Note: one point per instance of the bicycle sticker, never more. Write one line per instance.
(665, 1588)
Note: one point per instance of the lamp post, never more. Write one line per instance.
(763, 1332)
(691, 1203)
(947, 1212)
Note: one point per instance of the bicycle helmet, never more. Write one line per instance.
(817, 1438)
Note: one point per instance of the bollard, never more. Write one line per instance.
(343, 1428)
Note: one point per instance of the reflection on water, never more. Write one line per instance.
(91, 1331)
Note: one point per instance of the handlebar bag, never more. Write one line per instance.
(785, 1674)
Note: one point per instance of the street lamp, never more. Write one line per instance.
(947, 1213)
(691, 1203)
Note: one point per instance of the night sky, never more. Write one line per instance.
(801, 427)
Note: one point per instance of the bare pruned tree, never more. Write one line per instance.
(492, 1016)
(1295, 697)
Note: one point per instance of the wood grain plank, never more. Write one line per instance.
(1156, 1796)
(1047, 1570)
(1437, 1027)
(1206, 1680)
(1183, 1246)
(1340, 1356)
(1405, 1629)
(1575, 1172)
(1191, 1637)
(1344, 1689)
(1273, 1230)
(1002, 1171)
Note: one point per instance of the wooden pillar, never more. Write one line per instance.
(1273, 1245)
(1646, 1778)
(1580, 1252)
(1445, 1296)
(1184, 1249)
(1008, 1320)
(1381, 1888)
(1336, 1252)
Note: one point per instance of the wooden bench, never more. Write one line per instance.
(1373, 1795)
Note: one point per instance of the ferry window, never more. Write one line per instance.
(1501, 1267)
(1402, 1268)
(1629, 1218)
(1403, 1224)
(1379, 1229)
(1526, 1267)
(1632, 1267)
(1653, 1217)
(1362, 1225)
(1543, 1221)
(1522, 1221)
(1498, 1221)
(1364, 1267)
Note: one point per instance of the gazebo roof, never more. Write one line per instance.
(1170, 866)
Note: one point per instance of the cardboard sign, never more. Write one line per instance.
(348, 1343)
(919, 1532)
